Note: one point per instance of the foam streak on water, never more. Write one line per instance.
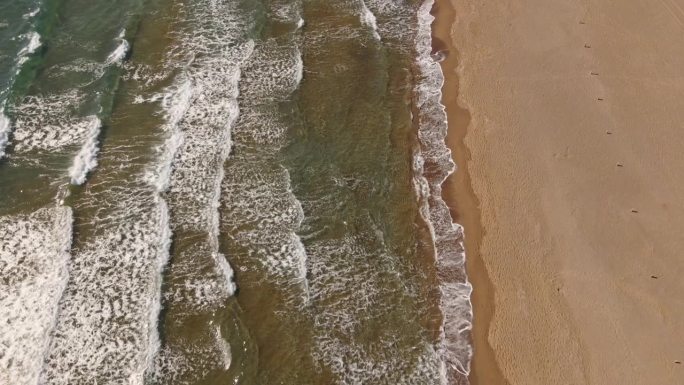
(32, 45)
(176, 102)
(4, 132)
(154, 343)
(32, 14)
(447, 236)
(86, 159)
(119, 53)
(368, 19)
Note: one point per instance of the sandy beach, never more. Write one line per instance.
(567, 123)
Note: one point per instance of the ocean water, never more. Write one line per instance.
(226, 192)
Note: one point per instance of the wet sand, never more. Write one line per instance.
(458, 193)
(567, 123)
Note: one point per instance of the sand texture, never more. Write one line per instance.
(573, 116)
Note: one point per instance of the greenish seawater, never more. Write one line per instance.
(225, 192)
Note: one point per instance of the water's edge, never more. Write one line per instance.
(433, 165)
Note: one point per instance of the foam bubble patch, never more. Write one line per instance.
(34, 258)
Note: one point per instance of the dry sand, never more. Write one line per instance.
(568, 127)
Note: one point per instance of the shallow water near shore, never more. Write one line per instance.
(205, 192)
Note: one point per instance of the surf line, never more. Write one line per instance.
(447, 236)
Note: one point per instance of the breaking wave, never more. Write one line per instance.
(86, 159)
(119, 54)
(32, 45)
(4, 132)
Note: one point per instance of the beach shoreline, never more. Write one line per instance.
(460, 197)
(565, 124)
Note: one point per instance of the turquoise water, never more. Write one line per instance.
(214, 191)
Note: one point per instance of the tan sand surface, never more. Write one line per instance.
(574, 149)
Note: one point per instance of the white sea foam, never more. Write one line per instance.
(200, 109)
(287, 11)
(147, 75)
(345, 276)
(119, 54)
(33, 42)
(173, 143)
(273, 72)
(46, 123)
(32, 45)
(34, 254)
(447, 236)
(86, 159)
(200, 113)
(31, 14)
(106, 331)
(224, 268)
(299, 68)
(197, 291)
(223, 347)
(389, 22)
(93, 69)
(190, 362)
(395, 22)
(154, 343)
(4, 132)
(260, 203)
(176, 102)
(205, 127)
(368, 19)
(258, 196)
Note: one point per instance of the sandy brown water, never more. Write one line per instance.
(230, 191)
